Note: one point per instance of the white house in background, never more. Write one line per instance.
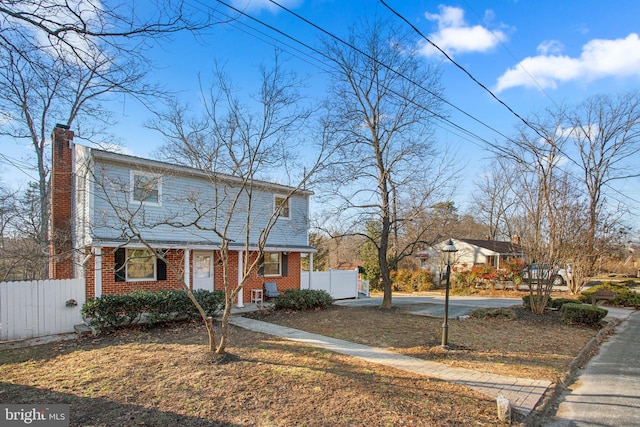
(470, 252)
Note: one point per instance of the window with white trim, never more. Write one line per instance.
(272, 264)
(281, 203)
(146, 188)
(141, 265)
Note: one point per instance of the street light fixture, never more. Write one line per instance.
(448, 250)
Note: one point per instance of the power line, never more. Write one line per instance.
(533, 79)
(446, 121)
(463, 69)
(387, 67)
(326, 57)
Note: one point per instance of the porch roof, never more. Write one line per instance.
(205, 245)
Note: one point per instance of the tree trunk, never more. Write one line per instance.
(224, 327)
(211, 333)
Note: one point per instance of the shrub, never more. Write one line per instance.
(302, 299)
(582, 313)
(410, 281)
(559, 302)
(506, 313)
(112, 311)
(624, 296)
(463, 279)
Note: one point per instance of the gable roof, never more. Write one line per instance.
(495, 246)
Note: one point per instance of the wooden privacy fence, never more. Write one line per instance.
(40, 308)
(340, 284)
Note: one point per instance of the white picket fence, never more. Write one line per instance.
(340, 284)
(40, 308)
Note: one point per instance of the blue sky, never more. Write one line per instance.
(531, 53)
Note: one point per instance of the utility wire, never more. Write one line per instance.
(491, 146)
(324, 55)
(463, 69)
(387, 67)
(533, 79)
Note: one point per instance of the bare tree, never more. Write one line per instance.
(606, 132)
(384, 100)
(234, 143)
(563, 213)
(537, 156)
(494, 201)
(60, 60)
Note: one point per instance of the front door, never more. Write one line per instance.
(203, 270)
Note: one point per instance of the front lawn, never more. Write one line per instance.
(161, 376)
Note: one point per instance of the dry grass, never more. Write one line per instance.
(530, 346)
(162, 377)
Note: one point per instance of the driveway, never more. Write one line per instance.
(433, 305)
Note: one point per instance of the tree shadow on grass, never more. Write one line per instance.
(99, 411)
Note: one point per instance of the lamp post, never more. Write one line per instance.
(448, 250)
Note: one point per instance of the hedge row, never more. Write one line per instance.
(625, 297)
(572, 311)
(582, 313)
(302, 299)
(112, 311)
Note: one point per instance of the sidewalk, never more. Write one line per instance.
(607, 388)
(523, 393)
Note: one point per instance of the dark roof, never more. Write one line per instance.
(495, 246)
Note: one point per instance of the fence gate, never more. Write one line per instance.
(40, 308)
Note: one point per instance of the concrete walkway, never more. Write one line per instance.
(523, 394)
(607, 389)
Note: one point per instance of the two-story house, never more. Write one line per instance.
(108, 208)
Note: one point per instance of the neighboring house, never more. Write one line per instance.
(97, 197)
(470, 252)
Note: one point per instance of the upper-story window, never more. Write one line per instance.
(281, 203)
(146, 187)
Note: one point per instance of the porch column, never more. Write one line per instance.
(240, 296)
(187, 268)
(97, 272)
(310, 268)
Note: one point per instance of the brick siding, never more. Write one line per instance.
(176, 257)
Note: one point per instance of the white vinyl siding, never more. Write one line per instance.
(178, 195)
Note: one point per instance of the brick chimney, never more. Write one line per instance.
(61, 193)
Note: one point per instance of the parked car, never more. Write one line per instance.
(558, 276)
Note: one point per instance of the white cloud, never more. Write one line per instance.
(455, 36)
(257, 5)
(550, 47)
(599, 59)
